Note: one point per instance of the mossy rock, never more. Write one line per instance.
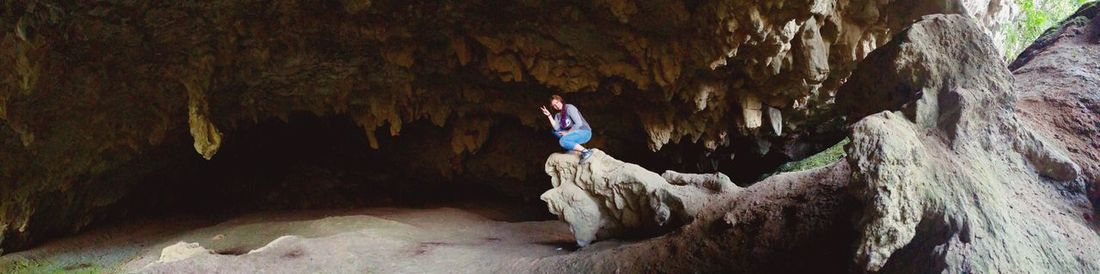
(826, 157)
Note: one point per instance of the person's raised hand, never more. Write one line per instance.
(544, 111)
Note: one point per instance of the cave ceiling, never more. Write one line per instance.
(87, 86)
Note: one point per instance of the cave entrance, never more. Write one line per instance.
(294, 189)
(309, 162)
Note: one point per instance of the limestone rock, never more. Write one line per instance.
(775, 118)
(992, 16)
(1057, 94)
(716, 182)
(948, 174)
(805, 215)
(213, 67)
(181, 251)
(942, 176)
(607, 197)
(206, 135)
(752, 111)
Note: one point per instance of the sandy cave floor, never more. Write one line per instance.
(461, 238)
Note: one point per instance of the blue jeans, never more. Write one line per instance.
(579, 136)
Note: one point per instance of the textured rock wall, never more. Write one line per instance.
(942, 176)
(1057, 91)
(1003, 199)
(87, 87)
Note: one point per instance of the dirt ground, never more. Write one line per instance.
(463, 238)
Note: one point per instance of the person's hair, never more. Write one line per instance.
(557, 97)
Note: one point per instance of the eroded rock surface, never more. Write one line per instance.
(89, 89)
(951, 180)
(942, 176)
(181, 251)
(804, 216)
(1058, 79)
(607, 197)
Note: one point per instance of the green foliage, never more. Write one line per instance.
(36, 267)
(830, 155)
(1035, 17)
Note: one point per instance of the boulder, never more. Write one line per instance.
(607, 197)
(181, 251)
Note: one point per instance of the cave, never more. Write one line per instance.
(305, 161)
(406, 136)
(311, 162)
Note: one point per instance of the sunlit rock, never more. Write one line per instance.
(181, 251)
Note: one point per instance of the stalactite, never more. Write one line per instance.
(116, 76)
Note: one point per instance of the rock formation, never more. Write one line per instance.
(802, 217)
(1057, 91)
(607, 197)
(951, 180)
(181, 251)
(941, 176)
(96, 96)
(951, 165)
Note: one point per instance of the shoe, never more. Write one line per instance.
(587, 153)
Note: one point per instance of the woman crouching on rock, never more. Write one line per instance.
(570, 127)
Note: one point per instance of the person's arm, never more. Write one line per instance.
(553, 123)
(550, 118)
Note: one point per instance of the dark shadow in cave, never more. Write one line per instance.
(311, 162)
(743, 162)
